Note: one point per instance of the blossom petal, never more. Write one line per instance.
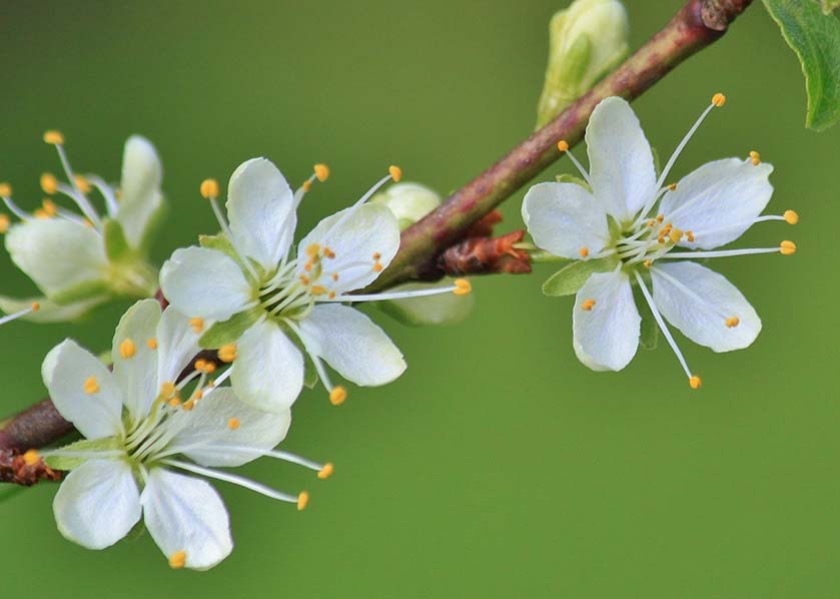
(718, 201)
(177, 343)
(355, 235)
(97, 504)
(141, 198)
(699, 301)
(606, 336)
(261, 209)
(564, 218)
(268, 372)
(186, 514)
(135, 362)
(351, 343)
(204, 283)
(620, 160)
(69, 372)
(57, 254)
(223, 431)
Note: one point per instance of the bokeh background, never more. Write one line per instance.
(498, 466)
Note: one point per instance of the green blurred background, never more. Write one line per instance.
(498, 466)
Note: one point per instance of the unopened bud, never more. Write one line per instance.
(586, 41)
(408, 201)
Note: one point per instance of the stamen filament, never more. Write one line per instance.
(719, 253)
(233, 479)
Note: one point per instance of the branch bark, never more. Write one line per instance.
(422, 251)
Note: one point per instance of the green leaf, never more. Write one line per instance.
(228, 331)
(60, 462)
(116, 245)
(570, 279)
(815, 38)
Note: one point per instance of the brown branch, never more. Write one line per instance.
(423, 249)
(697, 25)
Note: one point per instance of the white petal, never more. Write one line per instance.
(50, 311)
(268, 372)
(186, 514)
(140, 198)
(65, 370)
(352, 344)
(97, 504)
(698, 301)
(564, 218)
(177, 344)
(607, 336)
(620, 161)
(205, 283)
(355, 235)
(718, 201)
(57, 254)
(210, 439)
(136, 374)
(261, 210)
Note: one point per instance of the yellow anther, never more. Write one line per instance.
(318, 290)
(227, 353)
(234, 424)
(322, 172)
(395, 172)
(127, 349)
(718, 100)
(689, 235)
(83, 184)
(313, 249)
(695, 382)
(87, 223)
(660, 218)
(49, 184)
(91, 385)
(5, 190)
(648, 263)
(197, 324)
(462, 287)
(151, 343)
(791, 217)
(334, 276)
(178, 560)
(189, 404)
(331, 295)
(174, 402)
(49, 207)
(732, 322)
(755, 158)
(5, 223)
(587, 304)
(307, 185)
(563, 145)
(307, 267)
(326, 471)
(200, 364)
(303, 501)
(584, 252)
(304, 279)
(651, 223)
(41, 214)
(675, 235)
(209, 188)
(35, 306)
(787, 248)
(338, 395)
(168, 389)
(377, 267)
(31, 457)
(53, 137)
(329, 253)
(377, 256)
(672, 187)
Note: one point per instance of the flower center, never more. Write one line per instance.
(648, 240)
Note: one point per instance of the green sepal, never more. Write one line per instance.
(221, 243)
(815, 38)
(310, 374)
(82, 291)
(569, 178)
(569, 279)
(570, 72)
(116, 245)
(649, 330)
(87, 445)
(228, 331)
(657, 165)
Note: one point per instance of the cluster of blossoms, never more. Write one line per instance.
(623, 227)
(273, 316)
(208, 382)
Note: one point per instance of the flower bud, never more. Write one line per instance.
(408, 201)
(586, 41)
